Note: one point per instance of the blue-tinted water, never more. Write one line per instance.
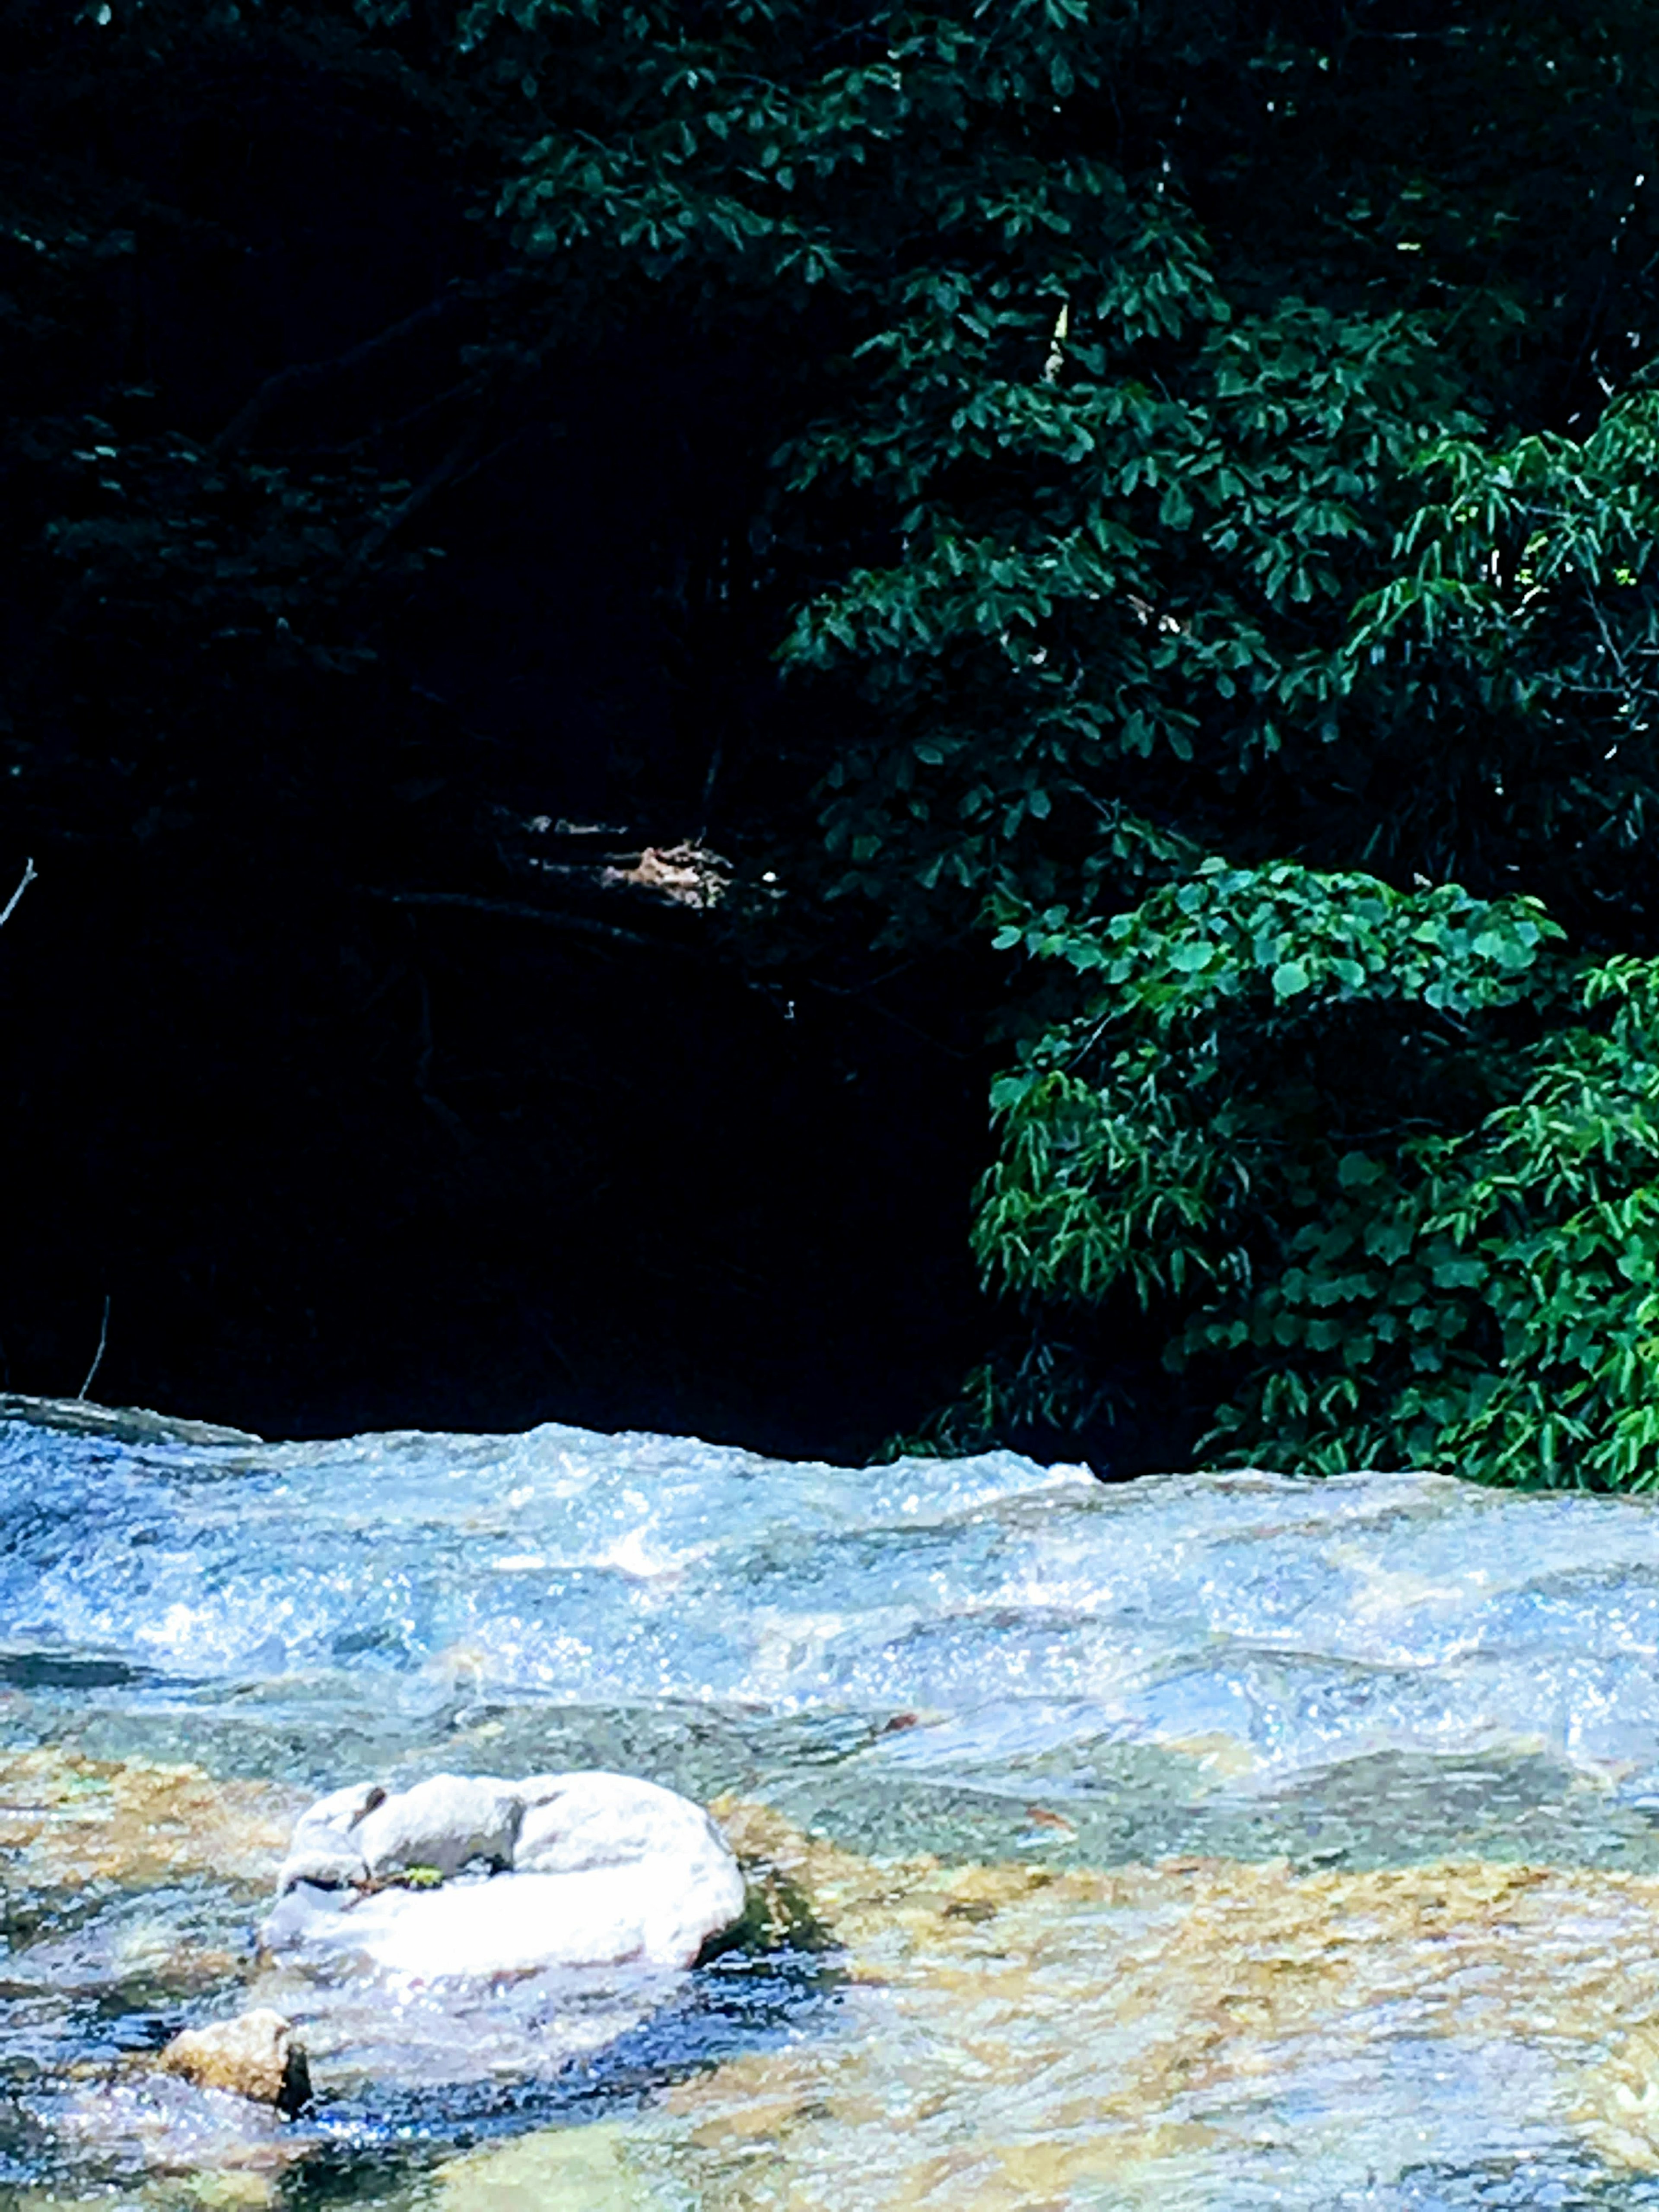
(1207, 1841)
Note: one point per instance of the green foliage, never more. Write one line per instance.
(1237, 1002)
(1390, 1160)
(418, 1877)
(1195, 470)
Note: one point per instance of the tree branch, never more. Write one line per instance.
(577, 924)
(468, 388)
(306, 376)
(455, 463)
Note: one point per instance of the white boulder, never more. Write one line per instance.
(573, 1822)
(444, 1825)
(587, 1869)
(324, 1849)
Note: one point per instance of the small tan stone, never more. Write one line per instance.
(256, 2055)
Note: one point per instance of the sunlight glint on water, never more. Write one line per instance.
(1207, 1842)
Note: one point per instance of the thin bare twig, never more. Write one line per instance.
(30, 875)
(98, 1356)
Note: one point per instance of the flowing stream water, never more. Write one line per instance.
(1211, 1842)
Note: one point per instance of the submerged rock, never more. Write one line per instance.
(588, 2166)
(75, 1822)
(220, 2149)
(472, 1877)
(256, 2056)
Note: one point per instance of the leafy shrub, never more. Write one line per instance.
(1388, 1163)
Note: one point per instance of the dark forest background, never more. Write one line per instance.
(569, 1151)
(618, 623)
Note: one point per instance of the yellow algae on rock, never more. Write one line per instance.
(1014, 2037)
(1618, 2111)
(228, 2192)
(66, 1820)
